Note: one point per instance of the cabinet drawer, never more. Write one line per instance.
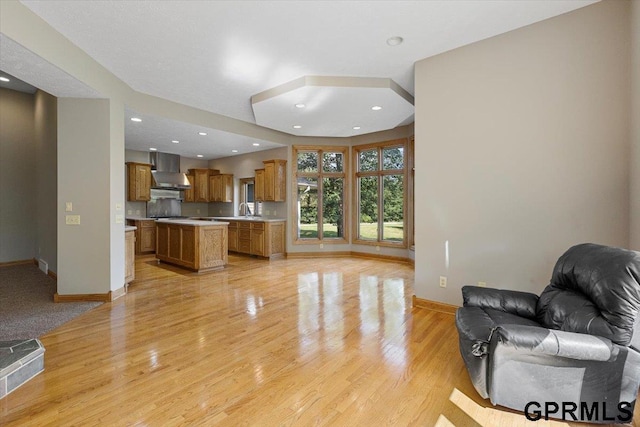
(257, 225)
(232, 224)
(243, 224)
(244, 234)
(244, 246)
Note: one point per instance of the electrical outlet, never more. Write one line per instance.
(377, 248)
(129, 212)
(482, 284)
(68, 207)
(119, 219)
(321, 245)
(198, 211)
(72, 219)
(275, 212)
(118, 206)
(137, 211)
(443, 281)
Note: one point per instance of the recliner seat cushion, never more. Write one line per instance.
(594, 290)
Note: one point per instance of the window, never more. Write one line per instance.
(248, 205)
(320, 177)
(381, 193)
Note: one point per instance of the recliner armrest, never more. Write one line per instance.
(553, 342)
(519, 303)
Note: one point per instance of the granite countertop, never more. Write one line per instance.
(250, 219)
(196, 222)
(130, 228)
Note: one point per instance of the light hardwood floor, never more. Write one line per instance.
(286, 342)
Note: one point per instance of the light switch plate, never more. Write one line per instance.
(68, 207)
(73, 219)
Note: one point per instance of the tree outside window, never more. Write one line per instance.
(320, 174)
(381, 193)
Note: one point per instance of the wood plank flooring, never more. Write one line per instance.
(293, 342)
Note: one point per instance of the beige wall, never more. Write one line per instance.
(18, 179)
(522, 145)
(46, 139)
(635, 126)
(84, 179)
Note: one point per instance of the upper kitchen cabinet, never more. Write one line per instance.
(201, 184)
(221, 188)
(259, 186)
(139, 186)
(189, 193)
(275, 180)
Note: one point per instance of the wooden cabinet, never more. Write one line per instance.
(244, 237)
(145, 235)
(129, 257)
(189, 193)
(259, 186)
(221, 188)
(139, 182)
(197, 247)
(261, 238)
(275, 180)
(200, 184)
(257, 238)
(233, 236)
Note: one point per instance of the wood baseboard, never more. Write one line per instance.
(348, 254)
(53, 275)
(109, 296)
(19, 262)
(305, 255)
(434, 305)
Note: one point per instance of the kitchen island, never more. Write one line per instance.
(194, 244)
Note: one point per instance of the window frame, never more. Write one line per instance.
(320, 175)
(380, 173)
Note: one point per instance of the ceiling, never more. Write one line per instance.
(217, 55)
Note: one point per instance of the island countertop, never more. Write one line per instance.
(248, 218)
(195, 222)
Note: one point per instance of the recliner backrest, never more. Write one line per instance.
(594, 290)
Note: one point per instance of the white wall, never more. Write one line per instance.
(18, 177)
(635, 126)
(522, 145)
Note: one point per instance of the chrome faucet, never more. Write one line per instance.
(247, 212)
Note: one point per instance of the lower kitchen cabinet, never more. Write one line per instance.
(145, 235)
(129, 256)
(261, 238)
(197, 247)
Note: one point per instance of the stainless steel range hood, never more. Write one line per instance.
(165, 169)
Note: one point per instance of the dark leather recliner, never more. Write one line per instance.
(576, 346)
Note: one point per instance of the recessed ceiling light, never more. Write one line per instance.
(300, 105)
(153, 149)
(234, 151)
(376, 108)
(202, 133)
(297, 127)
(256, 144)
(356, 128)
(199, 155)
(136, 119)
(175, 141)
(4, 79)
(394, 41)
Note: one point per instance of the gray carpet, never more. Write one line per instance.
(27, 309)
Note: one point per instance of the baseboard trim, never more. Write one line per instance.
(434, 305)
(304, 255)
(19, 262)
(109, 296)
(348, 254)
(53, 275)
